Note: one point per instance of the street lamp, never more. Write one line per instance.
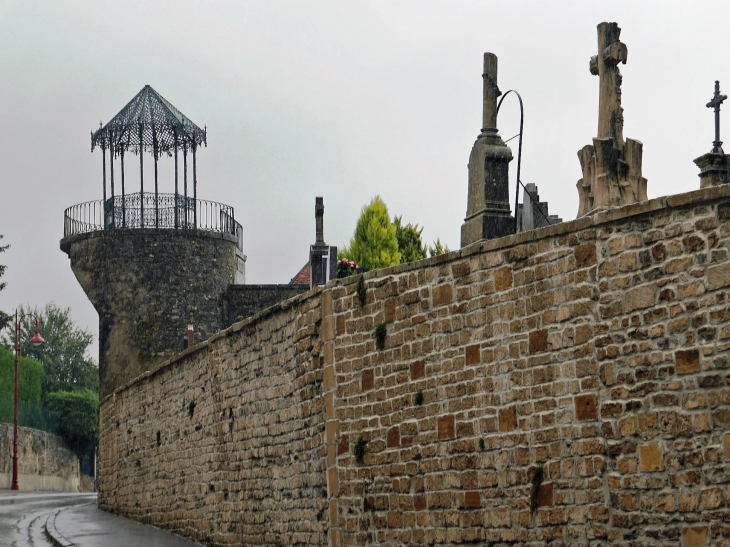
(36, 341)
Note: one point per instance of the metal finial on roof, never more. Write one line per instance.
(147, 122)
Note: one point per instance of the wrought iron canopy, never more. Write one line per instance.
(149, 122)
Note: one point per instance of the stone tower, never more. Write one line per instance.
(151, 263)
(488, 214)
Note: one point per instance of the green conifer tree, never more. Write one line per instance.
(410, 244)
(374, 244)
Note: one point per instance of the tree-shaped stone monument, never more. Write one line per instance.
(611, 167)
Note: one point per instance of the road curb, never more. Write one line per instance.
(56, 538)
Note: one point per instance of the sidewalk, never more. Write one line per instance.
(88, 526)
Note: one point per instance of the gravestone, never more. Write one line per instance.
(322, 257)
(488, 213)
(533, 213)
(611, 166)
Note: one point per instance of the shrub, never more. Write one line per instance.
(79, 412)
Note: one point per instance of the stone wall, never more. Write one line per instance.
(44, 461)
(593, 353)
(147, 286)
(241, 301)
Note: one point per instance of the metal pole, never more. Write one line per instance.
(157, 204)
(141, 179)
(111, 180)
(103, 164)
(14, 485)
(176, 195)
(185, 178)
(195, 191)
(124, 205)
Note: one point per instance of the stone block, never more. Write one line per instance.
(329, 378)
(508, 419)
(326, 303)
(586, 407)
(695, 537)
(390, 310)
(329, 400)
(726, 444)
(329, 353)
(651, 458)
(418, 370)
(718, 277)
(585, 255)
(687, 361)
(419, 502)
(368, 379)
(328, 328)
(472, 500)
(538, 341)
(641, 297)
(393, 439)
(545, 495)
(344, 446)
(503, 278)
(473, 356)
(333, 483)
(340, 325)
(332, 430)
(446, 427)
(442, 294)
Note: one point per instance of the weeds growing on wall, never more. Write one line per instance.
(360, 450)
(362, 292)
(418, 399)
(381, 331)
(538, 475)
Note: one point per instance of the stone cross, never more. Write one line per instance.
(319, 217)
(611, 52)
(490, 93)
(715, 103)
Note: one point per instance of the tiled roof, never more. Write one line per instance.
(304, 276)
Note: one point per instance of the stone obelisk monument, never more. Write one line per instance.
(611, 167)
(488, 213)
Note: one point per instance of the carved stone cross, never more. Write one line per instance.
(715, 103)
(611, 52)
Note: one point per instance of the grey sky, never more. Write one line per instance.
(341, 99)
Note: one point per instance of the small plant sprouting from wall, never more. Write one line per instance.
(538, 475)
(418, 399)
(144, 333)
(191, 408)
(381, 331)
(362, 293)
(360, 449)
(481, 445)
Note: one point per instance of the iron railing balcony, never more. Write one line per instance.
(143, 211)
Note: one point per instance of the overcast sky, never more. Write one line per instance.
(339, 99)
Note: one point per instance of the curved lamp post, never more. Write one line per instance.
(36, 341)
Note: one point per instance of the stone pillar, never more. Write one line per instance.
(322, 257)
(714, 169)
(488, 213)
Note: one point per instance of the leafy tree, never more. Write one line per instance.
(30, 377)
(4, 317)
(66, 364)
(375, 244)
(410, 244)
(438, 249)
(79, 412)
